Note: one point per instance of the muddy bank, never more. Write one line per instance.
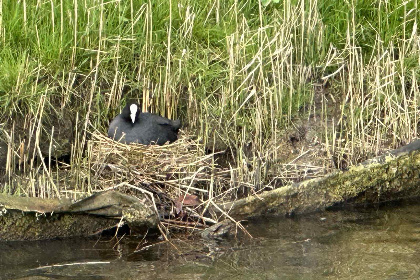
(393, 176)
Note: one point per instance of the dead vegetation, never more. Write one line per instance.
(180, 176)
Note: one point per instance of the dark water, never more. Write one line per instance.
(370, 243)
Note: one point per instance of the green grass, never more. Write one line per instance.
(240, 67)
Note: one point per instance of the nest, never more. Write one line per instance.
(173, 173)
(183, 164)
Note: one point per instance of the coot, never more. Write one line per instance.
(133, 126)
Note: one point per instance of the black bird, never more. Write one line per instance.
(133, 126)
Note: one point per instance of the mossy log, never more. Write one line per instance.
(393, 176)
(25, 218)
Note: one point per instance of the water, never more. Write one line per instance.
(370, 243)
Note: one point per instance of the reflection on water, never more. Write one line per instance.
(364, 244)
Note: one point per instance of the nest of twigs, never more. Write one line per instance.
(182, 164)
(176, 174)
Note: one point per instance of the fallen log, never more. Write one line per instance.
(29, 218)
(393, 176)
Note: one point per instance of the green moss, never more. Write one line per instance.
(364, 183)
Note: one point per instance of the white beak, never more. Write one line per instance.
(133, 112)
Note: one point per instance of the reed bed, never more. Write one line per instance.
(277, 93)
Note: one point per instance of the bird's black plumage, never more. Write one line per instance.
(133, 126)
